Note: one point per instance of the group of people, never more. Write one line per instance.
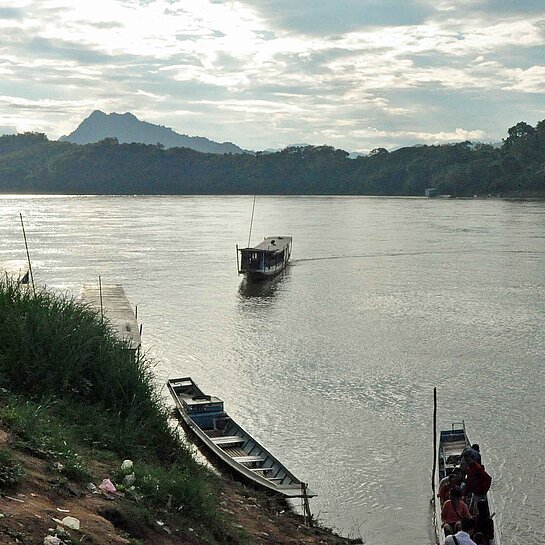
(465, 515)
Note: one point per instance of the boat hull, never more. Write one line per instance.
(226, 444)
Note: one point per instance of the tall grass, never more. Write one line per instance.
(52, 347)
(69, 389)
(69, 382)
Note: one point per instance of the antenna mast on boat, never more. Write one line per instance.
(251, 223)
(28, 256)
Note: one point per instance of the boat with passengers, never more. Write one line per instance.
(266, 259)
(453, 443)
(227, 442)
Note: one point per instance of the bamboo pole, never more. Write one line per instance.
(434, 441)
(28, 256)
(100, 294)
(251, 223)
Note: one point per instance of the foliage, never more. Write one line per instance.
(31, 163)
(11, 471)
(55, 349)
(71, 390)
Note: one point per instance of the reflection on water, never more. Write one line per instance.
(332, 364)
(263, 288)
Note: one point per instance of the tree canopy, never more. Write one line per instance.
(30, 163)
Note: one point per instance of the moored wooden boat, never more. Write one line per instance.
(452, 443)
(231, 445)
(266, 259)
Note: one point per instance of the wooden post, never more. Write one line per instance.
(307, 515)
(100, 294)
(238, 265)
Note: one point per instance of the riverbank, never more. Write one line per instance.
(36, 507)
(75, 406)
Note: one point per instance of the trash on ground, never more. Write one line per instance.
(107, 486)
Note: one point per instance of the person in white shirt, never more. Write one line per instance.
(462, 537)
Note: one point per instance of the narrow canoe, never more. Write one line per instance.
(228, 443)
(452, 443)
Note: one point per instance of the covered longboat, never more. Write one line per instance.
(266, 259)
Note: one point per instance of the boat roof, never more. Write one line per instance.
(117, 310)
(271, 244)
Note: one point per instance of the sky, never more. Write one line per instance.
(264, 74)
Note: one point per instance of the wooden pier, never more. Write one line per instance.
(112, 303)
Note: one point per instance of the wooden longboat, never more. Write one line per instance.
(452, 443)
(266, 259)
(219, 435)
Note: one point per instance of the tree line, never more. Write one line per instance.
(30, 163)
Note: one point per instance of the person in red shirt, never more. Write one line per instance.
(447, 484)
(454, 510)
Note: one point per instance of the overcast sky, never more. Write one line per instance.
(354, 74)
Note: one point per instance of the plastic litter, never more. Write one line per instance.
(107, 486)
(71, 522)
(52, 540)
(126, 466)
(129, 480)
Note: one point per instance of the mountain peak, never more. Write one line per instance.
(127, 128)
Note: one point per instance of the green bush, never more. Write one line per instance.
(11, 471)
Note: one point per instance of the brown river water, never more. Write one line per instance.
(332, 365)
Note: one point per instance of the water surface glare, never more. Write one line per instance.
(333, 365)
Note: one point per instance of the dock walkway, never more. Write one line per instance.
(116, 309)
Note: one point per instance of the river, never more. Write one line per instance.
(333, 365)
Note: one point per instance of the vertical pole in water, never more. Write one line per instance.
(238, 264)
(307, 515)
(100, 294)
(28, 256)
(434, 442)
(251, 223)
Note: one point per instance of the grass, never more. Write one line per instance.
(72, 390)
(11, 471)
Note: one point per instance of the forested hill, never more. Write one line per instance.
(30, 163)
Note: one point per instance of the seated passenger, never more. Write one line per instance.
(462, 537)
(447, 484)
(454, 510)
(474, 451)
(470, 454)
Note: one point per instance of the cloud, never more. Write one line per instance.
(328, 18)
(7, 129)
(266, 74)
(11, 13)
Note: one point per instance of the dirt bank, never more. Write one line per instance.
(35, 508)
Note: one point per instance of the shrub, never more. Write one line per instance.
(11, 471)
